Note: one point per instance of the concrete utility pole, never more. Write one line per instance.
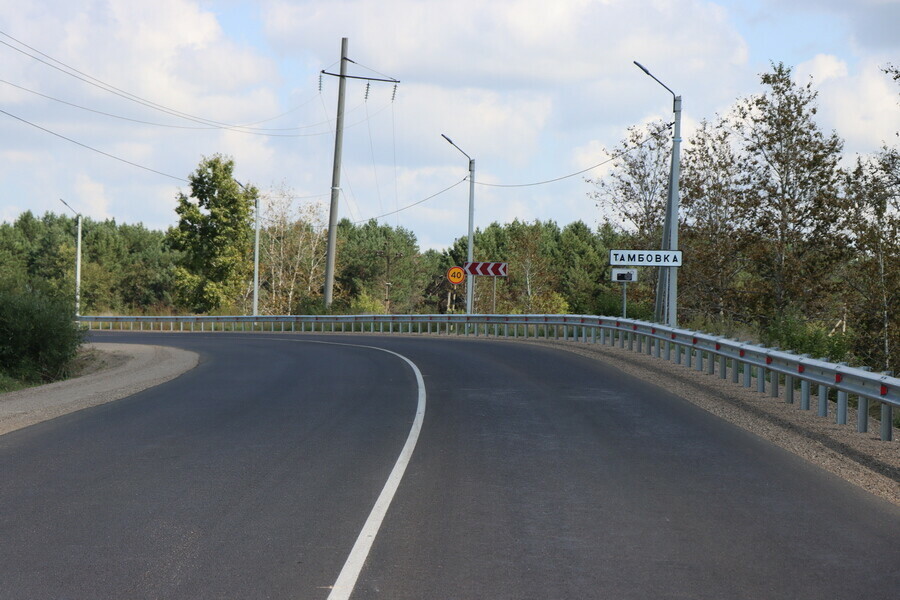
(666, 310)
(336, 179)
(256, 262)
(77, 261)
(336, 172)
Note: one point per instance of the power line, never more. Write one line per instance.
(73, 72)
(408, 206)
(254, 131)
(91, 148)
(600, 164)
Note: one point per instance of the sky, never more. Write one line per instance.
(111, 104)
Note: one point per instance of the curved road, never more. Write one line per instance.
(537, 474)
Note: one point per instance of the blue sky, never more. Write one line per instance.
(532, 90)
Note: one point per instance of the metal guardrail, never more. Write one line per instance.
(771, 369)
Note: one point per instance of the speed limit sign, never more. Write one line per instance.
(456, 275)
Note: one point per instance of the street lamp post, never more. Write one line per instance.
(77, 261)
(667, 291)
(470, 280)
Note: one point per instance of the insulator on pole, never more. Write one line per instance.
(320, 83)
(368, 85)
(394, 94)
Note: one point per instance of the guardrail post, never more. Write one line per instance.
(842, 408)
(773, 383)
(887, 421)
(823, 400)
(747, 373)
(862, 414)
(761, 380)
(789, 389)
(804, 394)
(723, 368)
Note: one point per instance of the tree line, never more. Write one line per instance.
(783, 242)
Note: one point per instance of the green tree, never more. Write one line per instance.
(791, 197)
(873, 298)
(215, 236)
(583, 267)
(633, 194)
(382, 262)
(292, 253)
(714, 220)
(534, 256)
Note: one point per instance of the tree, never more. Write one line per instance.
(791, 199)
(533, 269)
(214, 235)
(292, 253)
(712, 208)
(583, 267)
(635, 190)
(873, 190)
(381, 262)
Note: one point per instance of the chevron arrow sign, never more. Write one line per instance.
(491, 269)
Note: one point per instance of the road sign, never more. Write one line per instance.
(645, 258)
(491, 269)
(456, 275)
(623, 275)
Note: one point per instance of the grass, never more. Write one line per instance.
(11, 384)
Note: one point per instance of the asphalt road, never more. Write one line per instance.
(537, 474)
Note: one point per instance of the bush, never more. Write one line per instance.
(38, 336)
(791, 332)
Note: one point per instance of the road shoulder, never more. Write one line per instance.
(130, 369)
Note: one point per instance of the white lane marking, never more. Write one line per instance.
(349, 574)
(346, 580)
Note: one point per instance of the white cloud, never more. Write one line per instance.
(862, 106)
(822, 68)
(91, 197)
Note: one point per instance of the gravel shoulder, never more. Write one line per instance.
(112, 372)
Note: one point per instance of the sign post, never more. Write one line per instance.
(491, 269)
(623, 276)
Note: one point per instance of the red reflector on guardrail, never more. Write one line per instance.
(673, 336)
(884, 390)
(718, 346)
(634, 327)
(768, 360)
(741, 353)
(800, 368)
(838, 378)
(695, 340)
